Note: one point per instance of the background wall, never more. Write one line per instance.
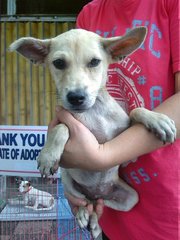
(27, 92)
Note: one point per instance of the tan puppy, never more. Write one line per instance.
(78, 61)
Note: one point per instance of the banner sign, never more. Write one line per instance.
(19, 148)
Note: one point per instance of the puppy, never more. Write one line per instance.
(34, 198)
(78, 61)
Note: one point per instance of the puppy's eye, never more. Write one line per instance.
(60, 64)
(94, 62)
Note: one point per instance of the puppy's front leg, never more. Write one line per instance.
(49, 157)
(160, 124)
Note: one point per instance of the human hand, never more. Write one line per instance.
(82, 149)
(75, 203)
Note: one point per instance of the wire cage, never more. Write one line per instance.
(18, 222)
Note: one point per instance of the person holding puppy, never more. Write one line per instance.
(148, 78)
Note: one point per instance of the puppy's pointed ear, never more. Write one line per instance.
(19, 180)
(120, 47)
(36, 50)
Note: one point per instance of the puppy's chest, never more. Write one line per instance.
(104, 125)
(102, 128)
(32, 195)
(30, 199)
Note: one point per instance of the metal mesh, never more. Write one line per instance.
(19, 222)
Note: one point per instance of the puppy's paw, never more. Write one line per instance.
(94, 226)
(49, 157)
(84, 221)
(82, 217)
(162, 126)
(48, 162)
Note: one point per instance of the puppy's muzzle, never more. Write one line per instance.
(78, 101)
(76, 98)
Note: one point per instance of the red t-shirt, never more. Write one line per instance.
(146, 79)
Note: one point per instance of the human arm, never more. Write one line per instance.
(83, 151)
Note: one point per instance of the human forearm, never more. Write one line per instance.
(136, 140)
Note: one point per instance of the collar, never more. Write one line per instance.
(27, 190)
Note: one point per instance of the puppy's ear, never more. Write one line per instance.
(120, 47)
(36, 50)
(19, 180)
(29, 184)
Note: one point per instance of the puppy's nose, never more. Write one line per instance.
(76, 98)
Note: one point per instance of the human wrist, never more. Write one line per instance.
(104, 158)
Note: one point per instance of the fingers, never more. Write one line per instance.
(75, 201)
(53, 123)
(90, 208)
(99, 207)
(65, 117)
(62, 116)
